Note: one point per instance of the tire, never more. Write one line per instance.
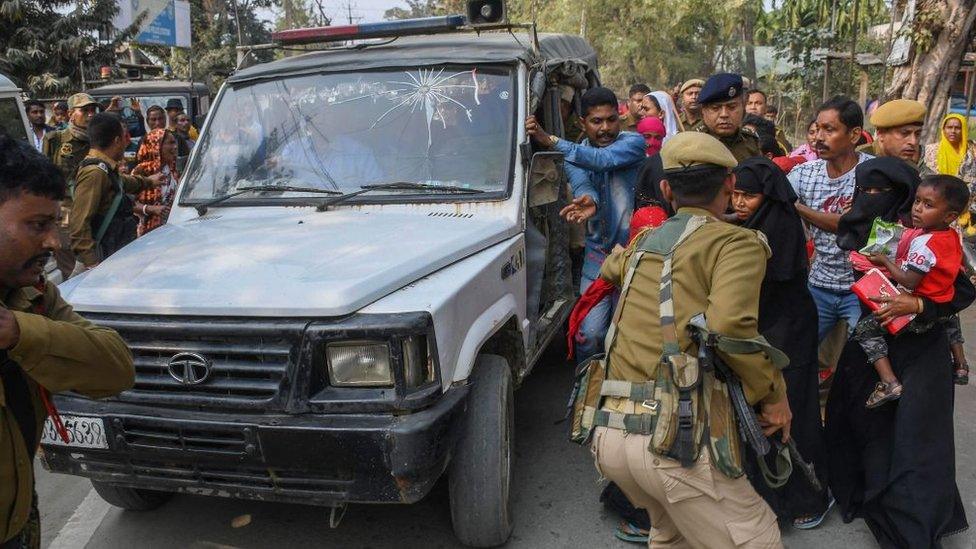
(481, 471)
(132, 499)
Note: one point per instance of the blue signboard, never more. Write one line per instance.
(160, 29)
(166, 22)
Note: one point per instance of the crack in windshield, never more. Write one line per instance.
(438, 126)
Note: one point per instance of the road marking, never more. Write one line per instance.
(78, 531)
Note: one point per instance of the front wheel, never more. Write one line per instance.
(481, 471)
(132, 499)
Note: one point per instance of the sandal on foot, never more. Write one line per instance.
(631, 533)
(961, 374)
(884, 392)
(811, 522)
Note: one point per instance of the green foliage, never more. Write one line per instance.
(797, 29)
(43, 43)
(658, 41)
(415, 8)
(213, 55)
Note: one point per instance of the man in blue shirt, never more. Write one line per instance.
(602, 171)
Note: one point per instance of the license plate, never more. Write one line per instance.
(83, 432)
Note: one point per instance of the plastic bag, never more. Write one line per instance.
(883, 239)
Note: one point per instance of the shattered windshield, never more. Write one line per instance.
(438, 126)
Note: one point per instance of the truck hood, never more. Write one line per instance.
(280, 262)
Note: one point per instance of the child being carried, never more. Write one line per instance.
(928, 269)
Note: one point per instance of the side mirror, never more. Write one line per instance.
(546, 178)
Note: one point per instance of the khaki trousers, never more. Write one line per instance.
(697, 507)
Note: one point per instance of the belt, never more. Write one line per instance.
(616, 411)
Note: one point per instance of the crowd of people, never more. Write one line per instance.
(830, 216)
(688, 203)
(122, 171)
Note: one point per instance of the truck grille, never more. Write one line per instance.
(212, 439)
(212, 476)
(249, 360)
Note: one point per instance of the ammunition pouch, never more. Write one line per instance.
(586, 398)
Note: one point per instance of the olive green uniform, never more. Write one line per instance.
(717, 271)
(689, 125)
(60, 351)
(66, 151)
(94, 192)
(742, 145)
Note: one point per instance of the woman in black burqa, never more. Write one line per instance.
(894, 466)
(788, 319)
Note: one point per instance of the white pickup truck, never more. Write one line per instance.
(363, 260)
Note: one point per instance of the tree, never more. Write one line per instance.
(214, 24)
(45, 43)
(657, 41)
(940, 33)
(415, 8)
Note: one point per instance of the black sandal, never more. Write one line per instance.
(961, 374)
(884, 392)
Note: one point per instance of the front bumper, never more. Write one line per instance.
(312, 459)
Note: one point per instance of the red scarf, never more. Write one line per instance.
(648, 216)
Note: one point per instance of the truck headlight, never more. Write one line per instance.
(359, 364)
(417, 366)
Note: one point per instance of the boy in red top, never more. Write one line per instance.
(927, 269)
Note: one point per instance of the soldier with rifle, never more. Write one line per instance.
(665, 429)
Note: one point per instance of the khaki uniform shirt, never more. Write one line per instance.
(60, 351)
(94, 192)
(66, 152)
(718, 271)
(744, 144)
(688, 124)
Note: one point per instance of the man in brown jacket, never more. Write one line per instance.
(101, 219)
(45, 347)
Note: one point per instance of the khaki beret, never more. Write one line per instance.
(690, 149)
(79, 100)
(898, 112)
(693, 82)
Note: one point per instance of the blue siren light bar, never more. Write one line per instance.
(385, 29)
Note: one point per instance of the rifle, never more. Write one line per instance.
(748, 423)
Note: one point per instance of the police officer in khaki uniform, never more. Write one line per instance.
(723, 108)
(690, 107)
(898, 130)
(717, 270)
(47, 347)
(67, 148)
(101, 219)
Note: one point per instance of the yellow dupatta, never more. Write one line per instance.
(948, 158)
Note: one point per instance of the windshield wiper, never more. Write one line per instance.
(397, 186)
(202, 207)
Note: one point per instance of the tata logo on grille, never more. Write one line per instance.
(189, 368)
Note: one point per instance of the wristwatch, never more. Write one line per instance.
(553, 140)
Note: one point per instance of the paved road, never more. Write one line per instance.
(555, 491)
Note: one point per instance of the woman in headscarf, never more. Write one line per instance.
(954, 154)
(659, 105)
(895, 466)
(157, 154)
(654, 133)
(763, 201)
